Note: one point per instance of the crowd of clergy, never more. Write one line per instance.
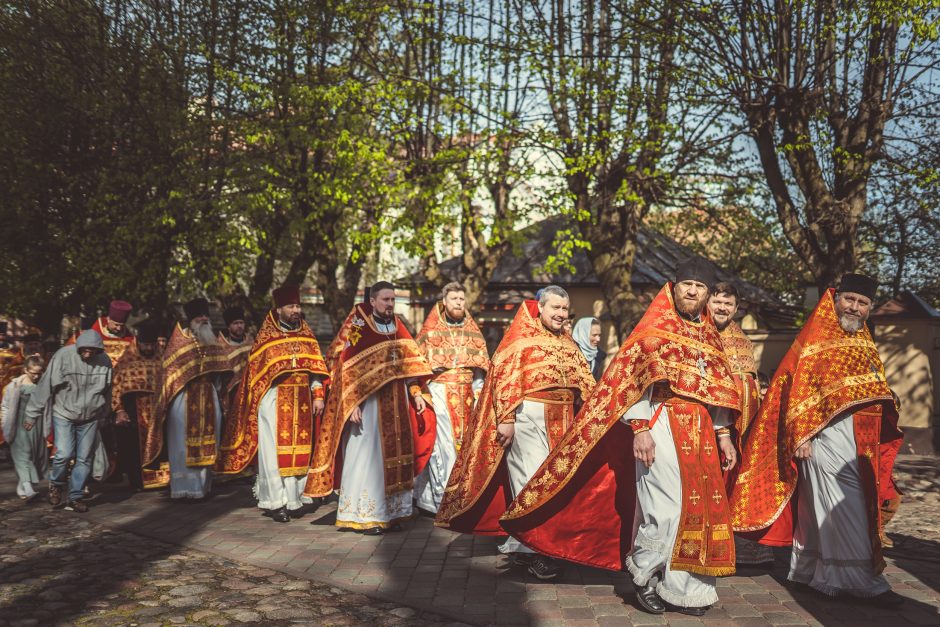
(673, 460)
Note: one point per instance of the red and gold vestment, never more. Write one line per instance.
(826, 373)
(11, 366)
(189, 365)
(453, 352)
(530, 362)
(285, 360)
(580, 504)
(136, 385)
(114, 346)
(740, 352)
(374, 362)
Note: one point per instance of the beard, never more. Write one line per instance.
(203, 333)
(693, 310)
(721, 326)
(851, 324)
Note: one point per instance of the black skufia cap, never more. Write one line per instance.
(695, 269)
(858, 284)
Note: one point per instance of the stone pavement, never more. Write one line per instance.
(464, 578)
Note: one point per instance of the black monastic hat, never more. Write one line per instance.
(196, 307)
(232, 314)
(858, 284)
(695, 269)
(148, 331)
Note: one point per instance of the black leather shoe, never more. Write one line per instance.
(689, 611)
(544, 568)
(296, 513)
(372, 531)
(649, 600)
(280, 515)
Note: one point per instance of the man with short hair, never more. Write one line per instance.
(276, 415)
(377, 423)
(667, 396)
(537, 380)
(810, 474)
(193, 363)
(456, 350)
(138, 380)
(235, 332)
(723, 306)
(27, 446)
(72, 397)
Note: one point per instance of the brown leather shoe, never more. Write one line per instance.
(55, 495)
(78, 507)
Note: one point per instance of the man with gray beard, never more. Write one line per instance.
(193, 363)
(811, 473)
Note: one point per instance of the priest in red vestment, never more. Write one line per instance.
(810, 473)
(456, 350)
(537, 379)
(276, 414)
(113, 330)
(378, 428)
(722, 308)
(668, 396)
(136, 384)
(193, 365)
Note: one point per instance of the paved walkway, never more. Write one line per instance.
(466, 579)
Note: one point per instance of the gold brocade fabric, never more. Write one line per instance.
(114, 347)
(275, 357)
(11, 366)
(825, 373)
(530, 359)
(453, 351)
(369, 362)
(188, 365)
(663, 348)
(458, 394)
(139, 379)
(449, 347)
(740, 352)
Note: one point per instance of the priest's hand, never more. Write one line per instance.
(318, 405)
(356, 416)
(420, 405)
(644, 449)
(505, 433)
(805, 451)
(27, 425)
(121, 418)
(728, 453)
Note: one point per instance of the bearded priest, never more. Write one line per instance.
(668, 396)
(538, 378)
(810, 473)
(278, 408)
(456, 350)
(193, 363)
(378, 428)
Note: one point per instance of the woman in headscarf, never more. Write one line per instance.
(587, 335)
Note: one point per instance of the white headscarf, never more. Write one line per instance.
(581, 334)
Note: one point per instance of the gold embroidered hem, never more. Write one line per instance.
(349, 524)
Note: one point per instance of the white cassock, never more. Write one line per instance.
(430, 484)
(271, 489)
(831, 543)
(529, 448)
(363, 502)
(185, 481)
(659, 508)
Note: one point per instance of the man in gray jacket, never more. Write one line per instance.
(71, 398)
